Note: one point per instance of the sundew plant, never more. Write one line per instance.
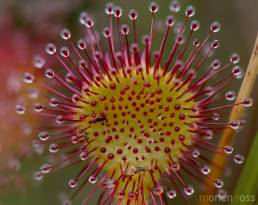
(136, 119)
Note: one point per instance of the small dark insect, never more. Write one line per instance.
(99, 119)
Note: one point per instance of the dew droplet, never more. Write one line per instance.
(45, 168)
(239, 159)
(234, 124)
(205, 169)
(175, 167)
(154, 7)
(171, 194)
(20, 109)
(109, 8)
(228, 149)
(158, 190)
(75, 139)
(73, 183)
(83, 17)
(49, 73)
(133, 14)
(59, 119)
(53, 102)
(65, 34)
(83, 155)
(28, 78)
(235, 58)
(230, 95)
(215, 44)
(125, 29)
(222, 194)
(81, 44)
(195, 25)
(190, 11)
(218, 183)
(53, 148)
(237, 71)
(50, 49)
(195, 153)
(37, 107)
(170, 21)
(189, 190)
(69, 77)
(43, 136)
(38, 62)
(215, 27)
(215, 64)
(33, 93)
(92, 179)
(118, 12)
(64, 52)
(38, 175)
(209, 134)
(174, 6)
(248, 102)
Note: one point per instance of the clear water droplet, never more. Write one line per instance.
(218, 183)
(248, 102)
(190, 11)
(92, 179)
(195, 153)
(43, 136)
(53, 148)
(37, 107)
(158, 190)
(133, 14)
(38, 62)
(205, 169)
(64, 52)
(20, 109)
(235, 58)
(174, 6)
(45, 168)
(109, 8)
(171, 194)
(28, 78)
(239, 159)
(73, 183)
(154, 7)
(49, 73)
(175, 167)
(59, 119)
(83, 155)
(230, 95)
(235, 124)
(65, 34)
(33, 93)
(53, 102)
(83, 18)
(228, 149)
(237, 71)
(215, 27)
(38, 175)
(189, 190)
(50, 49)
(222, 194)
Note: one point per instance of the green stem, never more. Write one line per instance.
(248, 183)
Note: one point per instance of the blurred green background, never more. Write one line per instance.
(41, 21)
